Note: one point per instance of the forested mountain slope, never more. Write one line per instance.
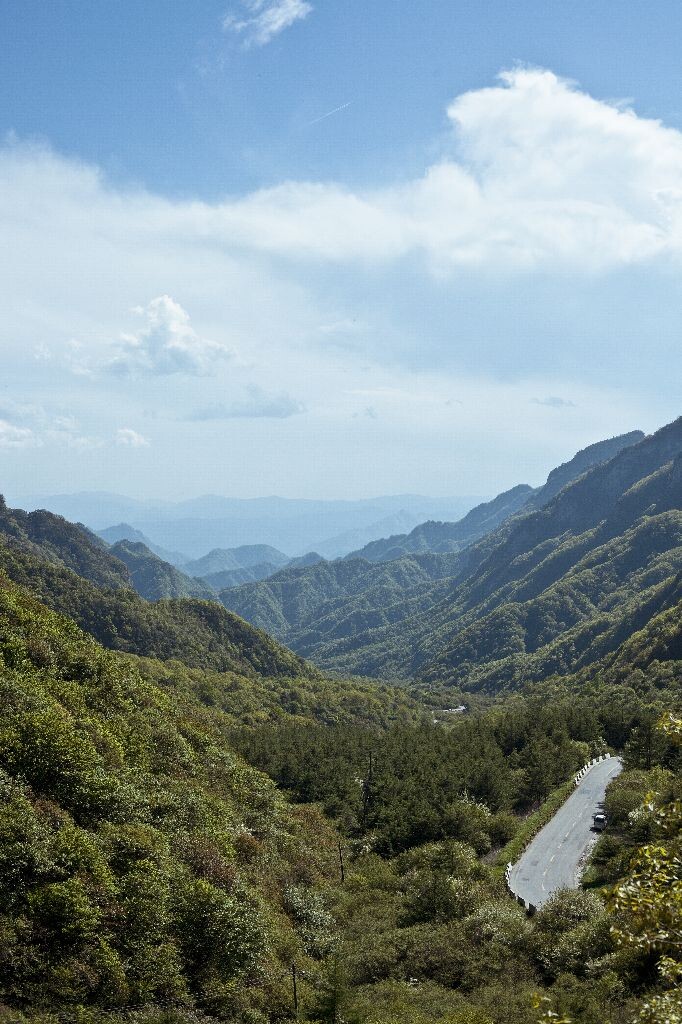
(302, 607)
(598, 546)
(199, 633)
(485, 518)
(228, 578)
(587, 458)
(548, 591)
(440, 537)
(56, 540)
(150, 875)
(142, 861)
(153, 578)
(125, 564)
(295, 600)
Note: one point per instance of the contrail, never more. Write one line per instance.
(329, 113)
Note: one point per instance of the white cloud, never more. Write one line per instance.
(12, 436)
(545, 172)
(32, 426)
(265, 19)
(258, 404)
(167, 344)
(545, 175)
(540, 176)
(128, 438)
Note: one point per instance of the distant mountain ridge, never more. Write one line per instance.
(303, 604)
(484, 518)
(124, 531)
(123, 565)
(584, 460)
(534, 597)
(245, 557)
(441, 537)
(336, 547)
(293, 526)
(545, 591)
(153, 578)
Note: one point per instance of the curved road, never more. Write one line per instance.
(555, 857)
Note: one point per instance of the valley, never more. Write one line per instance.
(191, 810)
(340, 512)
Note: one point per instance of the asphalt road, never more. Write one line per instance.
(554, 860)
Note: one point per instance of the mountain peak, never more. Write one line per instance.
(586, 458)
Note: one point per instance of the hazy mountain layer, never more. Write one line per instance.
(153, 578)
(124, 531)
(294, 526)
(483, 519)
(246, 557)
(439, 537)
(542, 593)
(337, 547)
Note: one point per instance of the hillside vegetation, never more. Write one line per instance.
(141, 860)
(549, 591)
(149, 874)
(123, 564)
(200, 633)
(153, 578)
(428, 933)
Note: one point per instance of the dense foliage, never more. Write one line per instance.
(124, 564)
(201, 633)
(238, 699)
(427, 932)
(471, 780)
(141, 860)
(197, 826)
(144, 865)
(153, 578)
(55, 540)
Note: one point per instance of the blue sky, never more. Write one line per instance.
(323, 249)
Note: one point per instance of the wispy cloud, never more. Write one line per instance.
(128, 438)
(12, 436)
(32, 426)
(546, 173)
(66, 432)
(554, 402)
(167, 344)
(262, 20)
(20, 413)
(257, 404)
